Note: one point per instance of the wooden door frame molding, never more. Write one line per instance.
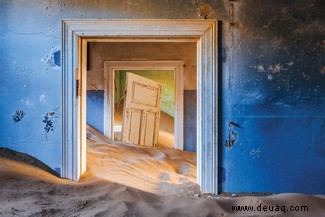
(175, 65)
(202, 31)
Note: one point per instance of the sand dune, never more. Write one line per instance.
(111, 187)
(151, 170)
(156, 170)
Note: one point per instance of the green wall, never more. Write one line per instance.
(165, 77)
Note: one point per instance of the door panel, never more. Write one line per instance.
(135, 126)
(150, 129)
(141, 114)
(144, 95)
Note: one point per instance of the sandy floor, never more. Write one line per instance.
(111, 187)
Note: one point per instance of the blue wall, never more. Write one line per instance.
(274, 98)
(95, 109)
(190, 113)
(273, 80)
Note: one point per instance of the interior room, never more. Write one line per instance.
(162, 108)
(164, 53)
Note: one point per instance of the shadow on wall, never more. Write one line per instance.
(25, 158)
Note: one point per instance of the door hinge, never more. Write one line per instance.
(77, 83)
(77, 88)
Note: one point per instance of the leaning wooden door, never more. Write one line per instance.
(141, 114)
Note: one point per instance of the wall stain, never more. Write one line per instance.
(255, 153)
(94, 86)
(231, 123)
(204, 10)
(48, 120)
(232, 135)
(18, 116)
(322, 70)
(305, 76)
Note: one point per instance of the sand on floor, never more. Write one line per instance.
(127, 180)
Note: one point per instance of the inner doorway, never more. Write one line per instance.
(169, 72)
(144, 107)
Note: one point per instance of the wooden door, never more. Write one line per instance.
(141, 114)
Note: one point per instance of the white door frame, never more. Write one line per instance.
(109, 90)
(202, 31)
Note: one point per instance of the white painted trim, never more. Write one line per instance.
(175, 65)
(207, 110)
(174, 30)
(108, 101)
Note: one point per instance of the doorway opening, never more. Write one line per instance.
(76, 35)
(168, 72)
(167, 109)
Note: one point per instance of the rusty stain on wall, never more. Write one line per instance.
(204, 10)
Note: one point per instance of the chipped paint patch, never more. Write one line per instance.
(322, 70)
(27, 102)
(271, 70)
(49, 121)
(305, 76)
(53, 58)
(42, 98)
(290, 63)
(94, 86)
(18, 116)
(232, 135)
(205, 10)
(277, 68)
(260, 68)
(255, 153)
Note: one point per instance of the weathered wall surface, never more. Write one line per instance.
(274, 97)
(273, 83)
(101, 51)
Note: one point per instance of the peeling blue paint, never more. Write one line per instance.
(232, 135)
(57, 58)
(48, 122)
(49, 119)
(53, 59)
(18, 116)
